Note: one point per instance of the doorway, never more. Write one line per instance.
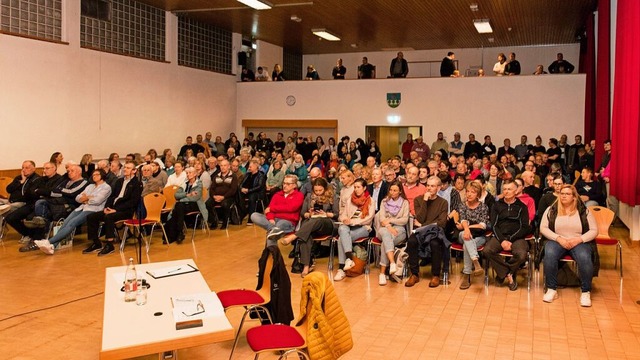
(390, 138)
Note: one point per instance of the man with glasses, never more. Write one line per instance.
(120, 205)
(510, 223)
(550, 197)
(283, 212)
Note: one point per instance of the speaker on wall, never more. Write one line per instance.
(242, 58)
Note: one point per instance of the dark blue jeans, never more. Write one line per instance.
(553, 252)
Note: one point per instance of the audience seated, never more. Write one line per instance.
(356, 217)
(55, 205)
(390, 225)
(319, 210)
(283, 212)
(510, 225)
(120, 205)
(189, 199)
(92, 199)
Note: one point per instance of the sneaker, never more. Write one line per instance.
(45, 246)
(92, 248)
(393, 268)
(348, 264)
(413, 279)
(24, 240)
(340, 275)
(550, 295)
(585, 299)
(249, 223)
(31, 246)
(382, 280)
(107, 249)
(275, 234)
(35, 223)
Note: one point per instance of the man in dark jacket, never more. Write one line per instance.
(447, 67)
(510, 220)
(253, 188)
(20, 188)
(55, 205)
(120, 205)
(41, 187)
(223, 191)
(399, 67)
(379, 188)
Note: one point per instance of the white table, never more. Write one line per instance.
(129, 330)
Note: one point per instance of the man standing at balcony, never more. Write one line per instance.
(399, 67)
(447, 67)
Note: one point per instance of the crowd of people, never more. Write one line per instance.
(399, 68)
(426, 197)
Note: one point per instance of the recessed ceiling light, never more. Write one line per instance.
(257, 4)
(325, 34)
(483, 26)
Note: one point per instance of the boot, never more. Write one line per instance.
(466, 282)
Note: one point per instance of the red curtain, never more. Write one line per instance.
(625, 158)
(603, 78)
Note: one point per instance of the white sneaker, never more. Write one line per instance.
(393, 268)
(348, 264)
(585, 299)
(45, 246)
(24, 240)
(550, 295)
(340, 275)
(382, 280)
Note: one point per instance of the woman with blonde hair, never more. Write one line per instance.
(473, 217)
(569, 229)
(87, 165)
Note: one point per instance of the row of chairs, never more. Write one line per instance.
(604, 217)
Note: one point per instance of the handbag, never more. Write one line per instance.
(296, 266)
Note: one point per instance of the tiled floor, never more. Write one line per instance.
(390, 322)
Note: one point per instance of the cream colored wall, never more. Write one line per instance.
(57, 97)
(502, 107)
(267, 55)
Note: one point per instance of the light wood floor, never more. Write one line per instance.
(390, 322)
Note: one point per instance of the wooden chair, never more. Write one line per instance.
(4, 194)
(154, 204)
(604, 217)
(170, 196)
(251, 300)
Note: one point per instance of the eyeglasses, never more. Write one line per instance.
(199, 310)
(566, 194)
(289, 183)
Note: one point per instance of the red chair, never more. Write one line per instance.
(278, 337)
(251, 300)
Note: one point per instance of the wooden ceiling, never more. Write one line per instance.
(376, 25)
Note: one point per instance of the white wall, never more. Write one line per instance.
(267, 55)
(63, 98)
(548, 105)
(529, 57)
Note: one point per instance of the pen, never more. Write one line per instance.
(172, 271)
